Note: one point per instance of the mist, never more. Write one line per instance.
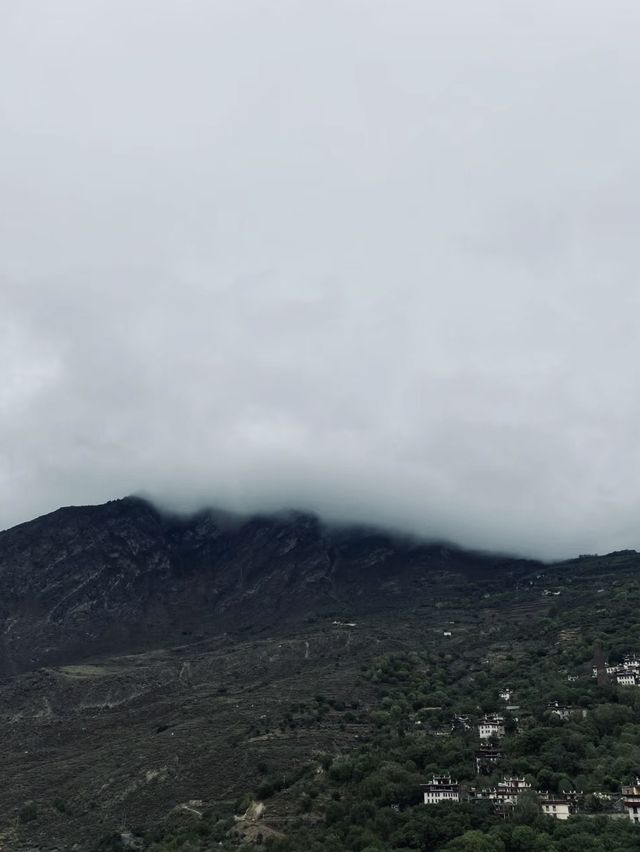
(374, 260)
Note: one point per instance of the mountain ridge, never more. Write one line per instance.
(82, 580)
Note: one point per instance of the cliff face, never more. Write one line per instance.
(123, 575)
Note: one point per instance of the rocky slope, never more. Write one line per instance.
(124, 575)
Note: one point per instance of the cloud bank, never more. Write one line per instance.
(373, 259)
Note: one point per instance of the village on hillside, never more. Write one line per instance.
(505, 794)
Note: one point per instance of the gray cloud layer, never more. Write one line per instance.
(376, 259)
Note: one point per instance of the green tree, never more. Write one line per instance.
(475, 841)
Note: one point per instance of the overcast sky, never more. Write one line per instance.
(375, 259)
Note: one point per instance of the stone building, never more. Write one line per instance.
(631, 800)
(556, 807)
(491, 726)
(441, 789)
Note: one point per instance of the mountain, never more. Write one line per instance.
(124, 575)
(157, 669)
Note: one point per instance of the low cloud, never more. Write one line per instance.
(376, 260)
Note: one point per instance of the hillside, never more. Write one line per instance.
(124, 575)
(160, 673)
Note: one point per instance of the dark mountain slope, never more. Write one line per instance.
(164, 667)
(123, 575)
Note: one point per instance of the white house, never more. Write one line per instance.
(441, 789)
(505, 795)
(491, 726)
(556, 808)
(506, 694)
(509, 789)
(626, 673)
(627, 678)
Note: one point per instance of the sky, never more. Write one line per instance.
(376, 260)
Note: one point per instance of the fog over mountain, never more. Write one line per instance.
(373, 259)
